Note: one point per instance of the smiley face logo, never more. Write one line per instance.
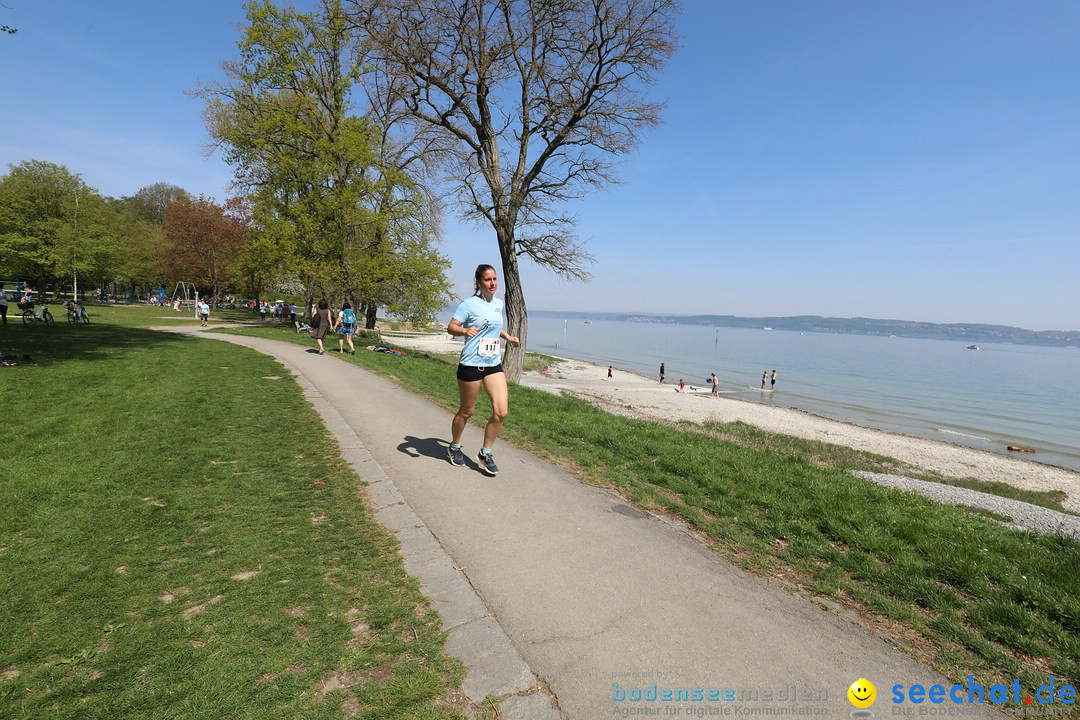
(862, 693)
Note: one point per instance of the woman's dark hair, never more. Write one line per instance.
(480, 270)
(323, 305)
(346, 306)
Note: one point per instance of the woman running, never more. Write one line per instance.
(479, 320)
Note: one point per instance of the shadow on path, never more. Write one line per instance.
(423, 447)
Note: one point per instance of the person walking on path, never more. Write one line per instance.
(4, 307)
(661, 372)
(715, 384)
(773, 380)
(204, 312)
(478, 319)
(321, 324)
(346, 327)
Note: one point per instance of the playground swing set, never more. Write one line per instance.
(185, 295)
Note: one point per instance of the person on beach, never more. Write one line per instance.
(773, 380)
(661, 372)
(608, 367)
(715, 384)
(764, 377)
(682, 385)
(478, 319)
(321, 324)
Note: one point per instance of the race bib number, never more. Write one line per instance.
(489, 347)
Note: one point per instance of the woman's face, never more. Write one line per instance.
(489, 282)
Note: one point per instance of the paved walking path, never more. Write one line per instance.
(595, 597)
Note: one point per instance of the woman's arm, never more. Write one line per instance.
(456, 329)
(512, 339)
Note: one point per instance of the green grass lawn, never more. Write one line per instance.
(179, 538)
(951, 587)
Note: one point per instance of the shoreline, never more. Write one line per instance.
(634, 395)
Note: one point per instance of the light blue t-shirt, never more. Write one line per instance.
(485, 348)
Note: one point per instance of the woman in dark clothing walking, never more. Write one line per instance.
(323, 324)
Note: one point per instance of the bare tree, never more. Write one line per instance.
(538, 96)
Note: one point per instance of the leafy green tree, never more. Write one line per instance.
(54, 228)
(150, 203)
(412, 283)
(286, 122)
(142, 262)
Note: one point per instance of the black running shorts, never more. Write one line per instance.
(472, 373)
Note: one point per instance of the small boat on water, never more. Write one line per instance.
(973, 346)
(766, 328)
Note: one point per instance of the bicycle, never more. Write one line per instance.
(77, 314)
(31, 318)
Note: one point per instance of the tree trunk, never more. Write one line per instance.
(370, 315)
(517, 317)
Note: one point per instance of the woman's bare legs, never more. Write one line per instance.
(495, 387)
(468, 391)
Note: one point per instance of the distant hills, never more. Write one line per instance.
(966, 332)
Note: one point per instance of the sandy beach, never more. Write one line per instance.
(633, 395)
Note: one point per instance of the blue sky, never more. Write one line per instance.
(913, 160)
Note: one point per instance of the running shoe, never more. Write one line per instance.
(487, 463)
(456, 456)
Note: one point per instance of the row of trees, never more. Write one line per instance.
(55, 230)
(346, 125)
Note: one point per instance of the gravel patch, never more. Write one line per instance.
(1025, 516)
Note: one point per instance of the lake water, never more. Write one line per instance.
(988, 398)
